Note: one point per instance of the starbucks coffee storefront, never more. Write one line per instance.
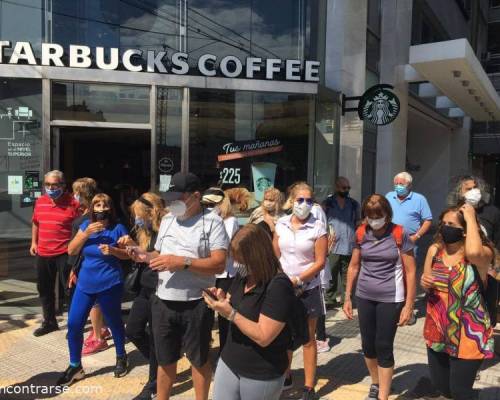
(130, 92)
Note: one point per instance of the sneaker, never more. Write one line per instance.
(94, 346)
(308, 394)
(121, 367)
(105, 333)
(373, 393)
(148, 392)
(72, 374)
(46, 328)
(322, 346)
(288, 383)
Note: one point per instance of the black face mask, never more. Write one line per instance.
(344, 193)
(101, 215)
(450, 234)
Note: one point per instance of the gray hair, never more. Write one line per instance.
(404, 175)
(55, 172)
(455, 196)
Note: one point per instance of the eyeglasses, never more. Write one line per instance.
(300, 200)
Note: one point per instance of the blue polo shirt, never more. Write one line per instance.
(410, 212)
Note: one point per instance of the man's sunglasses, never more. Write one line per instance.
(300, 200)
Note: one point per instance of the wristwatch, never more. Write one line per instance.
(187, 262)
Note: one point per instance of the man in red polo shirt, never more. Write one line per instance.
(51, 232)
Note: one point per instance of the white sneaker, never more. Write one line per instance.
(322, 346)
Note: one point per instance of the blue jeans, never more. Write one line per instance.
(229, 386)
(110, 301)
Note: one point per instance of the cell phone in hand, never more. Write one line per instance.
(210, 294)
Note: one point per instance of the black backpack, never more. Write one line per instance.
(491, 295)
(298, 324)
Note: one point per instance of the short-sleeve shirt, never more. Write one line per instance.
(54, 219)
(298, 247)
(241, 354)
(343, 222)
(232, 226)
(381, 276)
(410, 212)
(194, 237)
(98, 271)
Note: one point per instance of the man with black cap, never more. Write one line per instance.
(190, 250)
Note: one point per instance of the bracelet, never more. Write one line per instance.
(231, 316)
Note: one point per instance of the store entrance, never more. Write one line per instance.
(118, 159)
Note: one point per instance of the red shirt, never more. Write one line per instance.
(54, 219)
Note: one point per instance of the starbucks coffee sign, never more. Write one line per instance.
(379, 105)
(135, 60)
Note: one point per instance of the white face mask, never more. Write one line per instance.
(178, 208)
(376, 224)
(268, 205)
(473, 197)
(302, 210)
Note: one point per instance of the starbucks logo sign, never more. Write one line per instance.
(378, 105)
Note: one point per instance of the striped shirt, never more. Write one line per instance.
(54, 219)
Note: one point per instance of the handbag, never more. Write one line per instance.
(132, 281)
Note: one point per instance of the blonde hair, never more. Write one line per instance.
(86, 188)
(239, 198)
(225, 208)
(277, 196)
(292, 193)
(153, 214)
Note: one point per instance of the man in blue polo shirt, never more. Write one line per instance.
(410, 209)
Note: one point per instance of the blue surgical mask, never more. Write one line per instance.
(401, 190)
(77, 197)
(53, 193)
(142, 223)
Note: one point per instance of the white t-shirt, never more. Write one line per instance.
(195, 237)
(232, 226)
(325, 274)
(298, 247)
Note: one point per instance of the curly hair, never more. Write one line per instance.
(455, 196)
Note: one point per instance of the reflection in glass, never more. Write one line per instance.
(232, 133)
(100, 102)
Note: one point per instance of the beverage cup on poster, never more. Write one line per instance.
(264, 174)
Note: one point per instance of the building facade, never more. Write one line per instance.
(243, 93)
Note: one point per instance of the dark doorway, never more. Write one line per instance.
(118, 159)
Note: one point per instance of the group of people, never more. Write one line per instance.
(192, 259)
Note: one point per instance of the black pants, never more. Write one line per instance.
(378, 324)
(223, 323)
(139, 329)
(47, 271)
(453, 377)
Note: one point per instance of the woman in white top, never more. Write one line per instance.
(216, 199)
(300, 242)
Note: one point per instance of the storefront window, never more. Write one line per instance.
(248, 139)
(100, 102)
(20, 169)
(169, 135)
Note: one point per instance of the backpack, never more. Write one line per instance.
(491, 295)
(298, 325)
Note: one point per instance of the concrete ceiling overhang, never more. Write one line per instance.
(454, 69)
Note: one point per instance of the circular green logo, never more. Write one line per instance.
(379, 106)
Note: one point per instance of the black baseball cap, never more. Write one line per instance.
(182, 183)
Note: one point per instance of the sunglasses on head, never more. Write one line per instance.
(300, 200)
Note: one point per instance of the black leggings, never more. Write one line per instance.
(378, 324)
(138, 329)
(453, 377)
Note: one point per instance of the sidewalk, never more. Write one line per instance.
(26, 360)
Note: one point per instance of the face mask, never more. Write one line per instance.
(142, 223)
(376, 224)
(473, 197)
(268, 205)
(450, 234)
(53, 193)
(401, 190)
(302, 210)
(177, 208)
(77, 197)
(344, 193)
(101, 215)
(241, 269)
